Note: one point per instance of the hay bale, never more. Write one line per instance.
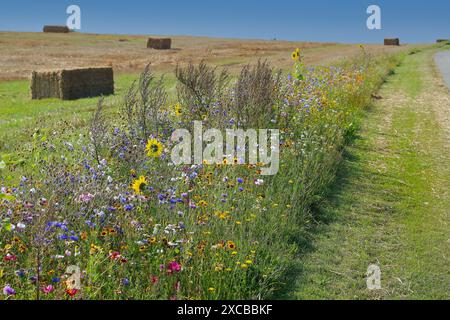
(72, 84)
(56, 29)
(159, 43)
(392, 42)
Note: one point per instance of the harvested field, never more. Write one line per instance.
(22, 53)
(72, 84)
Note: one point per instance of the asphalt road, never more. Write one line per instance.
(443, 62)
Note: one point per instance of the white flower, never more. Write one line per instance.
(20, 225)
(259, 182)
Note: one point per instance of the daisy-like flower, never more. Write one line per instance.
(177, 110)
(139, 185)
(296, 55)
(154, 148)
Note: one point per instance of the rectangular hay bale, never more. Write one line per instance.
(392, 42)
(56, 29)
(159, 43)
(72, 84)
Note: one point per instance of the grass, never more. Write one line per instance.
(20, 116)
(227, 235)
(390, 204)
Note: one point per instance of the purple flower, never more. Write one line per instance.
(8, 291)
(240, 180)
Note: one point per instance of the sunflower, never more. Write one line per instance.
(296, 55)
(139, 184)
(177, 109)
(154, 148)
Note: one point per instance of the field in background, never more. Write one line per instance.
(21, 53)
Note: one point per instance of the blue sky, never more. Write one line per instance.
(316, 20)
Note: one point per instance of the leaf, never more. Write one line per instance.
(7, 197)
(2, 165)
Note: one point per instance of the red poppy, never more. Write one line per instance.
(9, 257)
(71, 292)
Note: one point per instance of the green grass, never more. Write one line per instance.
(20, 116)
(390, 203)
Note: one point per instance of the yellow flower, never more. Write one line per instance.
(231, 245)
(202, 203)
(1, 273)
(296, 55)
(248, 261)
(154, 148)
(177, 109)
(211, 289)
(244, 266)
(139, 184)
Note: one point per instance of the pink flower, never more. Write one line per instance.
(85, 197)
(154, 279)
(48, 289)
(174, 267)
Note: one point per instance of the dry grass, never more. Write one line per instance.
(22, 53)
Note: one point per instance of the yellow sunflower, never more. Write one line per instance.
(139, 184)
(154, 148)
(177, 109)
(296, 55)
